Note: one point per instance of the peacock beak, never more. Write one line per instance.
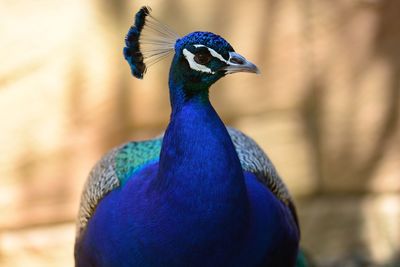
(237, 63)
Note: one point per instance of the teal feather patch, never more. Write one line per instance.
(302, 260)
(134, 156)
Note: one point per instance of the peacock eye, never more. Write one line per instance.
(202, 57)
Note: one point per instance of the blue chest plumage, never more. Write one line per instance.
(147, 231)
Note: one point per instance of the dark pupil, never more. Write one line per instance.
(202, 57)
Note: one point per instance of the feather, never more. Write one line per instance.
(147, 42)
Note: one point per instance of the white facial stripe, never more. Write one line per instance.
(213, 53)
(193, 64)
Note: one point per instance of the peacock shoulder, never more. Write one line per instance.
(112, 171)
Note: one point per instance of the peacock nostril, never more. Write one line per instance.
(237, 61)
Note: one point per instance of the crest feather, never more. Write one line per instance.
(147, 42)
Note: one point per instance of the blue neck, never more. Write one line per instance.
(198, 160)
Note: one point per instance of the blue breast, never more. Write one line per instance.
(147, 232)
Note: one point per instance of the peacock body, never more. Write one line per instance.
(203, 194)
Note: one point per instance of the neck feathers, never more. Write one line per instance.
(198, 158)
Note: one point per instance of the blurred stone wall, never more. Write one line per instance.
(326, 109)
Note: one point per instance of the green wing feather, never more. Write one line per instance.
(303, 260)
(134, 156)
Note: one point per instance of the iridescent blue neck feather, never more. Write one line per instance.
(198, 160)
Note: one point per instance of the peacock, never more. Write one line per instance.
(201, 194)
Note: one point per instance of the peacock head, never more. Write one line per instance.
(201, 58)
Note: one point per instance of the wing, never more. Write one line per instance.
(112, 171)
(254, 159)
(115, 168)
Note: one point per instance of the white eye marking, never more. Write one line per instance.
(193, 64)
(213, 53)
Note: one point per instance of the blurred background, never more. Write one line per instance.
(326, 109)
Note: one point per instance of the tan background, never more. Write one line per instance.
(326, 109)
